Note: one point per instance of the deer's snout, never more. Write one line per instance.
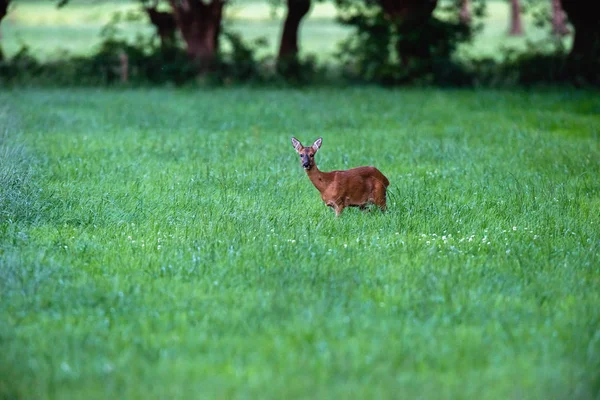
(305, 162)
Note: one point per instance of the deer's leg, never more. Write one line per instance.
(338, 206)
(380, 198)
(364, 208)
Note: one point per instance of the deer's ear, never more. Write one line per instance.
(297, 145)
(317, 144)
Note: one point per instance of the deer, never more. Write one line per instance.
(355, 187)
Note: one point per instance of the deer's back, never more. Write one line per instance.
(361, 174)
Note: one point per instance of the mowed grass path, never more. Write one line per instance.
(167, 244)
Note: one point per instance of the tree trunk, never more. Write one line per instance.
(584, 18)
(559, 23)
(296, 10)
(3, 8)
(200, 26)
(410, 17)
(465, 12)
(408, 10)
(3, 11)
(516, 26)
(164, 23)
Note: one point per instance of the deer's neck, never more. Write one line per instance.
(320, 179)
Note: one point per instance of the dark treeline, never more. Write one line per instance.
(394, 42)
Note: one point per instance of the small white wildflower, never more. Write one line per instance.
(508, 251)
(129, 237)
(158, 247)
(107, 368)
(514, 228)
(345, 245)
(444, 237)
(65, 367)
(427, 242)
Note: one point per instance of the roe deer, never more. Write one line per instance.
(356, 187)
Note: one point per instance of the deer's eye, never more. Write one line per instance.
(312, 155)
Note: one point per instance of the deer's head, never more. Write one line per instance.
(307, 154)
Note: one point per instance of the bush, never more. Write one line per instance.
(383, 52)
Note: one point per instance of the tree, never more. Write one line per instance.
(465, 12)
(559, 23)
(402, 41)
(410, 18)
(200, 27)
(516, 26)
(164, 22)
(586, 42)
(3, 10)
(288, 47)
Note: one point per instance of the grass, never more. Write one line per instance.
(167, 244)
(76, 28)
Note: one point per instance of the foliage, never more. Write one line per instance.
(376, 51)
(370, 55)
(149, 63)
(545, 62)
(180, 251)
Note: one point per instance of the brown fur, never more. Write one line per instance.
(356, 187)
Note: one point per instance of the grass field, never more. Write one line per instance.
(167, 244)
(76, 28)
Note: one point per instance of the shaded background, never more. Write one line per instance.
(437, 42)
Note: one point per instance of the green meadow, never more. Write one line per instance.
(167, 244)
